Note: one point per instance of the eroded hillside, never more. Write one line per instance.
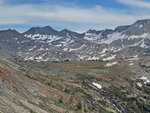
(62, 87)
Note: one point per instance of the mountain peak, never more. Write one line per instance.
(142, 21)
(47, 27)
(93, 31)
(65, 31)
(12, 31)
(47, 30)
(139, 27)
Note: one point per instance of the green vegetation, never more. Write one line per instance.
(61, 100)
(79, 106)
(146, 90)
(32, 111)
(104, 111)
(102, 102)
(67, 91)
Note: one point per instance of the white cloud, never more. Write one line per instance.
(136, 3)
(72, 17)
(32, 14)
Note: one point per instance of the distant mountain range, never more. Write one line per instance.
(47, 44)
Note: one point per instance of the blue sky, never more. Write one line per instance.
(78, 15)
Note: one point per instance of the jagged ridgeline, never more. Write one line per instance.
(47, 44)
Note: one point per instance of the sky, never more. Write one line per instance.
(75, 15)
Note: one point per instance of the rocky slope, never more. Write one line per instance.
(76, 87)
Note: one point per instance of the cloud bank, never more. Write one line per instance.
(70, 17)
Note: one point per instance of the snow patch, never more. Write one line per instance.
(131, 64)
(133, 59)
(140, 26)
(135, 56)
(138, 36)
(65, 49)
(145, 79)
(76, 48)
(111, 64)
(32, 48)
(139, 84)
(104, 50)
(109, 58)
(97, 85)
(116, 50)
(103, 55)
(112, 37)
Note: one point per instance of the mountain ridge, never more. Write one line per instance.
(45, 43)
